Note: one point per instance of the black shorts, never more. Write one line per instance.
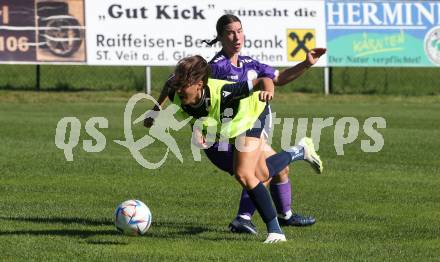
(262, 125)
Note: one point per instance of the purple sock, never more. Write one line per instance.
(282, 196)
(247, 207)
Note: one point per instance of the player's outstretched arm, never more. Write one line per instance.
(163, 97)
(292, 73)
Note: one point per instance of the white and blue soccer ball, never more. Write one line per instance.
(133, 217)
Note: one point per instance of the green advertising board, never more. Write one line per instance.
(383, 33)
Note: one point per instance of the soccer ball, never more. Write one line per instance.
(133, 217)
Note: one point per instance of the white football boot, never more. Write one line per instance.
(274, 238)
(310, 154)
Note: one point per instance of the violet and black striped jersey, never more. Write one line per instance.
(249, 69)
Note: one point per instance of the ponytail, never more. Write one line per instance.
(210, 43)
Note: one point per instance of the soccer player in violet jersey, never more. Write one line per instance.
(229, 65)
(208, 99)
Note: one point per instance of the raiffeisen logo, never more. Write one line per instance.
(382, 15)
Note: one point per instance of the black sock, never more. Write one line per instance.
(280, 160)
(262, 201)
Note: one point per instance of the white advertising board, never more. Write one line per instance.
(160, 33)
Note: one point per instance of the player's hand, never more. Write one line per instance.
(149, 118)
(314, 55)
(148, 122)
(198, 139)
(266, 96)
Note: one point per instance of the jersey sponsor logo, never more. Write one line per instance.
(299, 42)
(233, 77)
(225, 93)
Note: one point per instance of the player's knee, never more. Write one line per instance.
(243, 177)
(263, 175)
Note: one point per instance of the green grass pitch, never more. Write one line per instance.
(369, 206)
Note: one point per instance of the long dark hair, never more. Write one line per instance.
(222, 22)
(190, 70)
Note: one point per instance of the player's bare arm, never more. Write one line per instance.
(292, 73)
(163, 97)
